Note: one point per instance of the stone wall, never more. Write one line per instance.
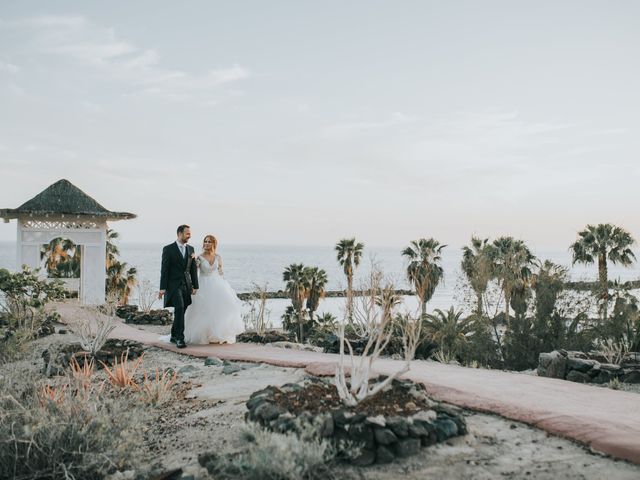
(589, 367)
(379, 438)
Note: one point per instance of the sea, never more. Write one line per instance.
(246, 266)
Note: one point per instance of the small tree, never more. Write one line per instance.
(379, 324)
(94, 324)
(257, 317)
(147, 295)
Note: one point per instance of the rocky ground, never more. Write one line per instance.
(208, 415)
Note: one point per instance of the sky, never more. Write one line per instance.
(300, 122)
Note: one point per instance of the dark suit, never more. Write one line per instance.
(178, 276)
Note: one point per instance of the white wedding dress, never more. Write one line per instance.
(215, 314)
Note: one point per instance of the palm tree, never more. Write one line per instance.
(121, 281)
(349, 254)
(317, 279)
(298, 287)
(112, 249)
(512, 262)
(388, 300)
(605, 242)
(547, 283)
(476, 265)
(424, 270)
(448, 330)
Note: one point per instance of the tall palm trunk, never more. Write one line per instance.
(604, 283)
(507, 301)
(350, 295)
(424, 308)
(479, 305)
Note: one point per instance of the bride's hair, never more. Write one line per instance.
(213, 239)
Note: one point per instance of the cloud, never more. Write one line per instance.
(118, 60)
(46, 21)
(9, 68)
(397, 118)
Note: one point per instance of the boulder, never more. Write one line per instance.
(267, 411)
(603, 376)
(399, 426)
(366, 457)
(407, 447)
(445, 428)
(581, 365)
(229, 369)
(577, 376)
(553, 365)
(213, 361)
(384, 455)
(632, 376)
(362, 434)
(384, 436)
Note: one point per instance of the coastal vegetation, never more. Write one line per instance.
(520, 306)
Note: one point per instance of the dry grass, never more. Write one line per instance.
(57, 433)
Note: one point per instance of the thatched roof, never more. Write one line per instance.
(60, 199)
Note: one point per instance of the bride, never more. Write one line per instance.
(214, 316)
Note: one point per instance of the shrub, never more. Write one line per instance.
(56, 433)
(277, 456)
(158, 389)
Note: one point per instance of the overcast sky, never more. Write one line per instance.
(299, 122)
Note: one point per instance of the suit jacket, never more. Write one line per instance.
(178, 274)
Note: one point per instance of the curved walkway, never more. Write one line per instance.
(605, 420)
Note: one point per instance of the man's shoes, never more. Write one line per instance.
(180, 344)
(173, 340)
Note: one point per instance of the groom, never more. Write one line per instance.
(178, 281)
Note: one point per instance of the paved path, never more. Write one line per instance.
(606, 420)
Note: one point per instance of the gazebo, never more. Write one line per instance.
(63, 210)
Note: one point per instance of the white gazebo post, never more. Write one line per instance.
(63, 210)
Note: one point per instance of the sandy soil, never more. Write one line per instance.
(209, 413)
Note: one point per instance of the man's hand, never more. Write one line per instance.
(160, 294)
(194, 291)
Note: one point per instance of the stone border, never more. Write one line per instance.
(382, 438)
(585, 368)
(131, 314)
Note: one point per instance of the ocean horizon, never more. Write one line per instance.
(248, 265)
